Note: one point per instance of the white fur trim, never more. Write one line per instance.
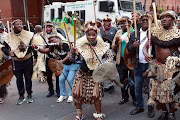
(88, 55)
(99, 115)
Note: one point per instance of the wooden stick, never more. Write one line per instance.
(74, 20)
(28, 26)
(134, 12)
(94, 11)
(13, 65)
(128, 29)
(9, 34)
(67, 33)
(149, 34)
(155, 14)
(45, 28)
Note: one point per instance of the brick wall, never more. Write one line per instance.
(164, 5)
(14, 9)
(6, 12)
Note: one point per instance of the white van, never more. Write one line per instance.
(85, 9)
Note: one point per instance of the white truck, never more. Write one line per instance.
(85, 9)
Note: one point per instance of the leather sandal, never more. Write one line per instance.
(80, 118)
(79, 112)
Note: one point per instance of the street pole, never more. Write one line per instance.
(42, 18)
(145, 5)
(175, 6)
(25, 11)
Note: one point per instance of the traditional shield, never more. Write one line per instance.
(56, 66)
(128, 58)
(106, 71)
(6, 73)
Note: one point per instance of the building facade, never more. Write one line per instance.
(14, 9)
(163, 5)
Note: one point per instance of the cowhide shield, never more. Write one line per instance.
(56, 66)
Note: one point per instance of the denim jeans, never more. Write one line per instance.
(138, 77)
(69, 72)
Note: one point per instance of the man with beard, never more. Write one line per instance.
(107, 31)
(140, 64)
(165, 41)
(23, 59)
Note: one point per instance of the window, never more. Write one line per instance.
(128, 5)
(103, 6)
(52, 14)
(60, 13)
(69, 14)
(82, 14)
(106, 6)
(76, 12)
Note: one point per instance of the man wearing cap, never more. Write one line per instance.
(22, 60)
(117, 19)
(140, 64)
(165, 41)
(138, 14)
(99, 22)
(51, 30)
(61, 52)
(119, 43)
(108, 32)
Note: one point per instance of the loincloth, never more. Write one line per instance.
(160, 83)
(87, 88)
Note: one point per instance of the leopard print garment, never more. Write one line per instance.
(88, 85)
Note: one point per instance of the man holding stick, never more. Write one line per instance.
(49, 30)
(165, 41)
(140, 64)
(17, 42)
(119, 44)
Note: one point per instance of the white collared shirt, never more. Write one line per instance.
(141, 55)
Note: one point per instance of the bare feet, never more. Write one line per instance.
(99, 119)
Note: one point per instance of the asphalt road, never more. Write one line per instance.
(44, 108)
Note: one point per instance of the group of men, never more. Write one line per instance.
(164, 41)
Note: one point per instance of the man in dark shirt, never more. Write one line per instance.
(21, 54)
(108, 32)
(50, 30)
(61, 52)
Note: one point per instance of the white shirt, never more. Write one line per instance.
(141, 55)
